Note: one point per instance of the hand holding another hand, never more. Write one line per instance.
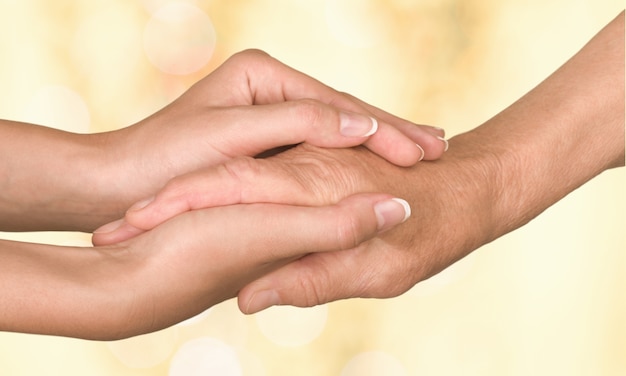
(203, 257)
(493, 180)
(249, 105)
(446, 225)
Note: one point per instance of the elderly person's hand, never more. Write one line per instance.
(493, 180)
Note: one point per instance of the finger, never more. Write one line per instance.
(227, 184)
(320, 278)
(242, 180)
(430, 139)
(296, 85)
(251, 130)
(239, 181)
(294, 230)
(265, 80)
(309, 281)
(114, 232)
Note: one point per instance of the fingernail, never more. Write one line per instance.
(356, 125)
(391, 212)
(422, 151)
(109, 227)
(445, 142)
(261, 300)
(141, 204)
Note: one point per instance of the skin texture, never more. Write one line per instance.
(55, 180)
(249, 105)
(176, 271)
(493, 180)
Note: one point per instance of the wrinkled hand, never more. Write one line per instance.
(451, 218)
(249, 105)
(203, 257)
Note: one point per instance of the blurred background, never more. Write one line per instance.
(549, 299)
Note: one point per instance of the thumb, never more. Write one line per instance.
(312, 280)
(322, 277)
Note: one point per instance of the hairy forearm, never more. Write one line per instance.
(54, 180)
(557, 137)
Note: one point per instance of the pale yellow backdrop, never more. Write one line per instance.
(549, 299)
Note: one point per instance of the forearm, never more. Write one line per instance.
(60, 291)
(557, 137)
(55, 180)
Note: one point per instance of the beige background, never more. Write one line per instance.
(549, 299)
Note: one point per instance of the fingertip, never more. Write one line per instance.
(435, 131)
(356, 125)
(109, 227)
(445, 143)
(422, 153)
(374, 127)
(259, 301)
(141, 205)
(391, 212)
(434, 147)
(114, 232)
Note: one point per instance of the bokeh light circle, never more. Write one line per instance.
(292, 326)
(146, 350)
(153, 5)
(374, 363)
(112, 55)
(179, 38)
(58, 107)
(357, 23)
(205, 356)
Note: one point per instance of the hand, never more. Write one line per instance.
(252, 104)
(494, 179)
(382, 267)
(203, 257)
(249, 105)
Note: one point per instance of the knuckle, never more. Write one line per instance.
(243, 171)
(175, 187)
(242, 168)
(350, 231)
(249, 59)
(313, 288)
(324, 174)
(387, 279)
(245, 56)
(310, 111)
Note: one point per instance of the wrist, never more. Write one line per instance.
(64, 291)
(96, 185)
(53, 180)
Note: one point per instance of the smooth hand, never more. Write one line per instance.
(204, 257)
(250, 105)
(253, 104)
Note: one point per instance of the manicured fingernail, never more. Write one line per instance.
(445, 143)
(261, 300)
(109, 227)
(422, 151)
(356, 125)
(391, 212)
(141, 204)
